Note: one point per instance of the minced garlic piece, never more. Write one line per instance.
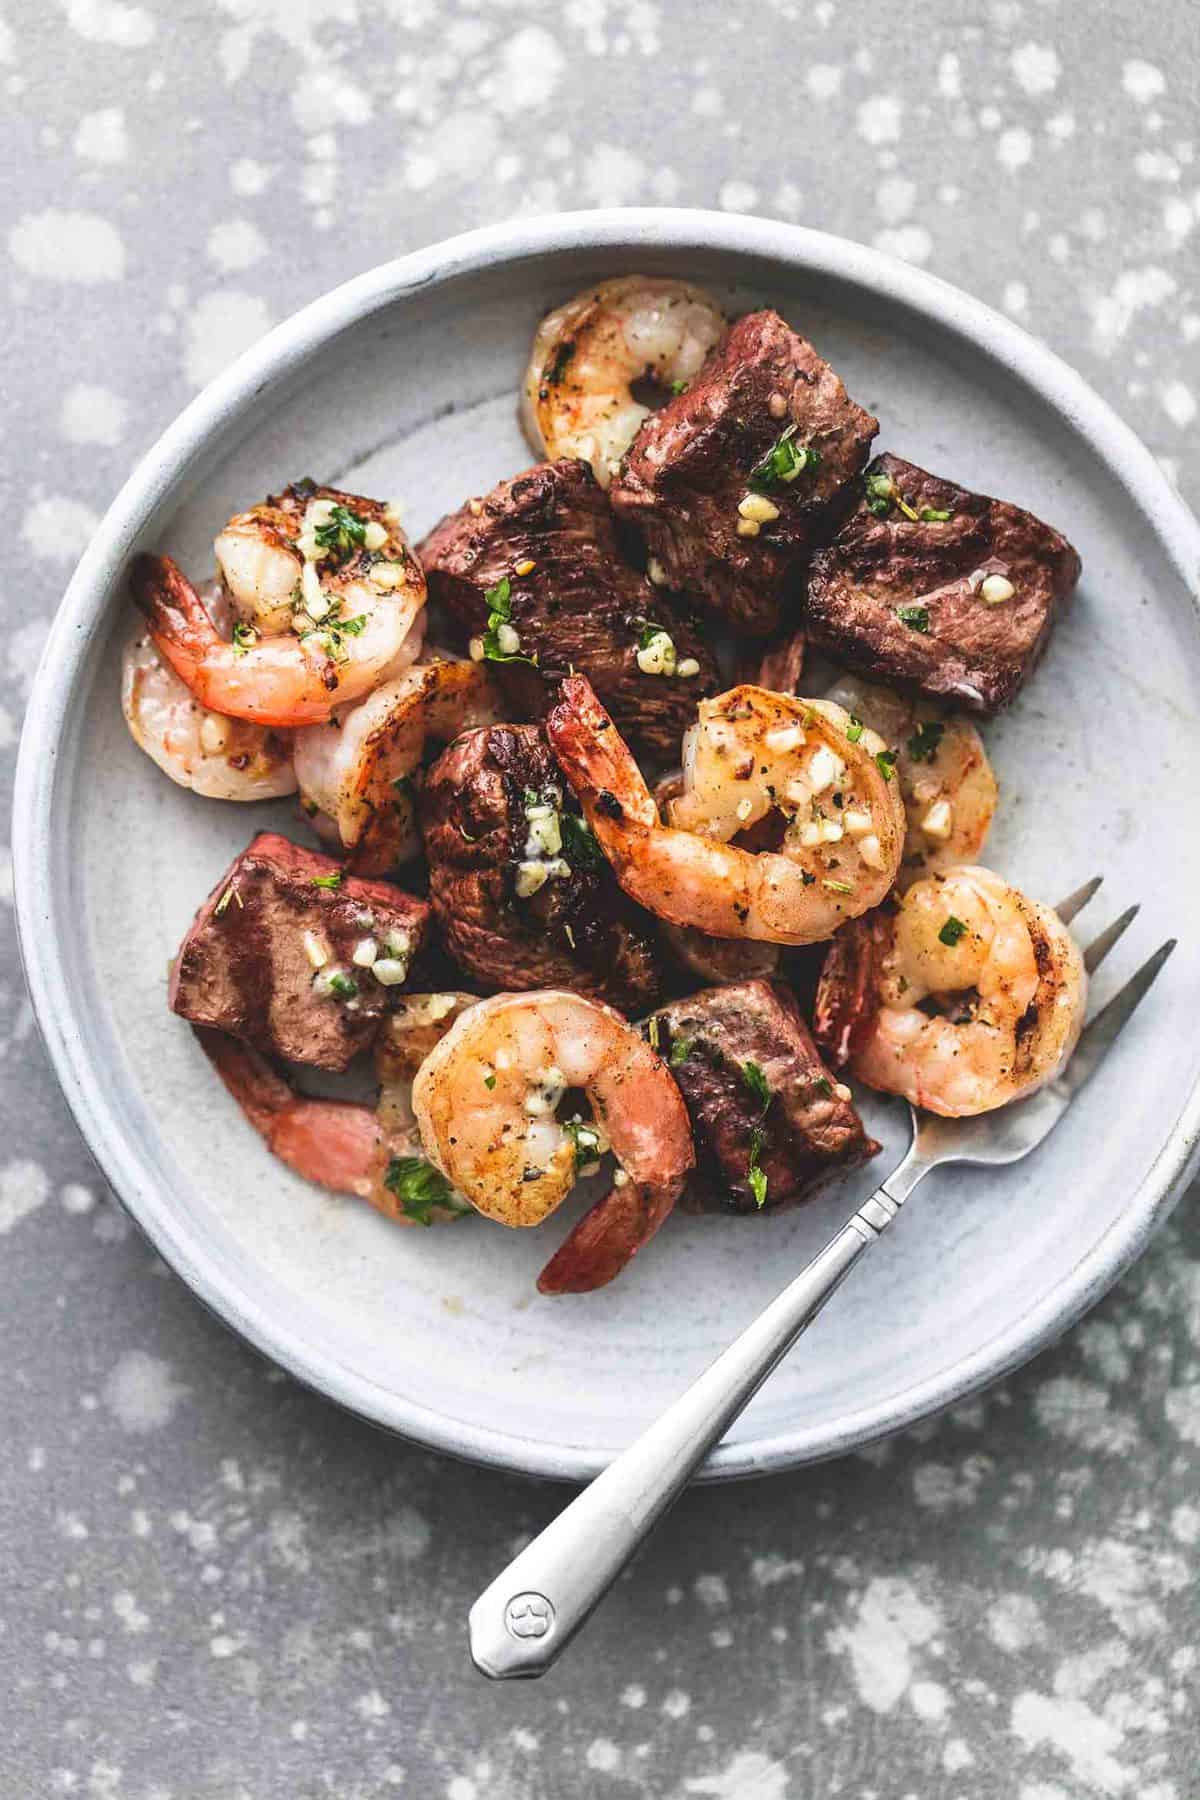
(657, 657)
(758, 508)
(996, 589)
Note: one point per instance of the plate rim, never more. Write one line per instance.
(165, 466)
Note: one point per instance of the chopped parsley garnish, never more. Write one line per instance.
(679, 386)
(328, 881)
(681, 1049)
(754, 1174)
(489, 1082)
(585, 1140)
(342, 532)
(915, 617)
(343, 987)
(331, 633)
(885, 762)
(924, 742)
(757, 1082)
(420, 1188)
(784, 461)
(934, 515)
(883, 494)
(243, 637)
(951, 931)
(579, 846)
(879, 489)
(499, 600)
(854, 730)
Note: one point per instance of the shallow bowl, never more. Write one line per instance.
(403, 382)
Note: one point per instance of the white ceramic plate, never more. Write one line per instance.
(404, 383)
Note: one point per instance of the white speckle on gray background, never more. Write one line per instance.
(224, 1589)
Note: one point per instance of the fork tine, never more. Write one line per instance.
(1075, 903)
(1100, 1035)
(1099, 948)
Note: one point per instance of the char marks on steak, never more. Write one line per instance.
(244, 966)
(578, 932)
(579, 605)
(902, 600)
(694, 462)
(723, 1044)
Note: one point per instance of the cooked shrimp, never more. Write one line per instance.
(325, 593)
(753, 755)
(221, 758)
(355, 770)
(487, 1101)
(978, 996)
(587, 355)
(717, 961)
(945, 777)
(372, 1152)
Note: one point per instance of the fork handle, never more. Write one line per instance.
(526, 1618)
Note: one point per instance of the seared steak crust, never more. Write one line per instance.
(580, 605)
(580, 933)
(244, 966)
(723, 1044)
(693, 462)
(954, 645)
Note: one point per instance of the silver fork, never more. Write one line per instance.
(530, 1613)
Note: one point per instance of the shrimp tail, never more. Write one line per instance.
(607, 1238)
(332, 1142)
(178, 619)
(778, 669)
(593, 756)
(847, 997)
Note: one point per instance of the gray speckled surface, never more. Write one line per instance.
(217, 1587)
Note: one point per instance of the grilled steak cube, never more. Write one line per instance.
(540, 556)
(957, 600)
(249, 964)
(771, 1123)
(736, 481)
(519, 887)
